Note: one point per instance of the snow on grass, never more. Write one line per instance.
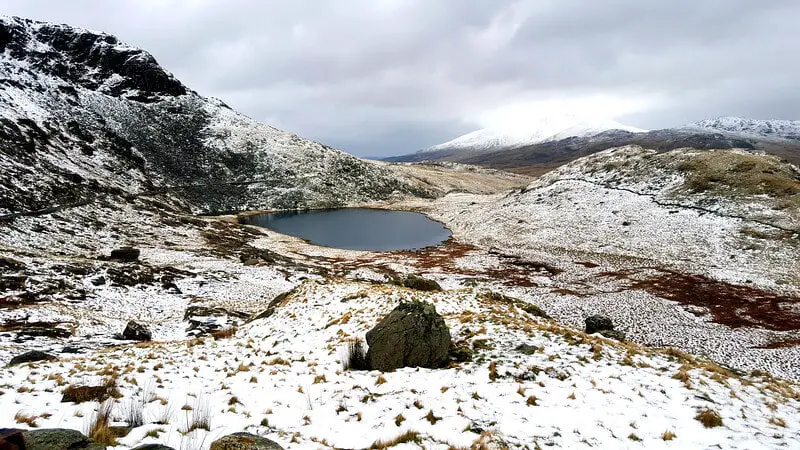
(283, 377)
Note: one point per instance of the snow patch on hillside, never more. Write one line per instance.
(545, 129)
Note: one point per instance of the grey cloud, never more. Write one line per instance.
(384, 77)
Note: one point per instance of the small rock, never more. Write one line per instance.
(597, 323)
(99, 281)
(135, 331)
(244, 441)
(153, 447)
(419, 283)
(126, 254)
(31, 356)
(527, 349)
(412, 335)
(58, 439)
(613, 334)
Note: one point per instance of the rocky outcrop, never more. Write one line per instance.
(31, 356)
(412, 335)
(135, 331)
(244, 441)
(87, 97)
(58, 439)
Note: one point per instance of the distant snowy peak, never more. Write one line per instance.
(538, 131)
(789, 129)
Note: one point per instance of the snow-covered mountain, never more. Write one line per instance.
(788, 129)
(540, 130)
(83, 116)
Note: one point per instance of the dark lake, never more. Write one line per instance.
(357, 228)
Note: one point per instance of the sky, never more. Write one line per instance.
(388, 77)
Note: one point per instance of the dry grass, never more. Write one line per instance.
(709, 418)
(81, 394)
(99, 428)
(21, 417)
(777, 421)
(224, 333)
(668, 435)
(408, 436)
(430, 417)
(200, 416)
(492, 371)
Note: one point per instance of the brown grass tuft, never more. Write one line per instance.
(99, 427)
(408, 436)
(668, 435)
(709, 418)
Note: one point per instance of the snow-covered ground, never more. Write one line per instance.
(282, 377)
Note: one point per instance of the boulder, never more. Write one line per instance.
(58, 439)
(595, 324)
(135, 331)
(417, 282)
(244, 441)
(11, 439)
(126, 254)
(31, 356)
(412, 335)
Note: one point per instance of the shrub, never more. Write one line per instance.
(355, 357)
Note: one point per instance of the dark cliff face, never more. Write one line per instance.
(83, 116)
(88, 59)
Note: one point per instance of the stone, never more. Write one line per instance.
(11, 439)
(419, 283)
(244, 441)
(31, 356)
(126, 254)
(152, 447)
(595, 324)
(613, 334)
(412, 335)
(135, 331)
(58, 439)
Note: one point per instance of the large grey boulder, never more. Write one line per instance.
(412, 335)
(604, 326)
(596, 324)
(31, 356)
(58, 439)
(135, 331)
(244, 441)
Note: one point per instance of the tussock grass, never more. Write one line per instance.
(709, 418)
(99, 427)
(409, 436)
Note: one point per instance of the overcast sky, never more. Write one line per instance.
(383, 77)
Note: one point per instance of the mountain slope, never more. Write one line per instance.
(781, 129)
(83, 115)
(540, 130)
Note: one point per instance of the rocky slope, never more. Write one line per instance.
(778, 129)
(83, 115)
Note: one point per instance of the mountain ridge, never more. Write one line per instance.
(83, 115)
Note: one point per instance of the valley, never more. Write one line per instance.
(126, 257)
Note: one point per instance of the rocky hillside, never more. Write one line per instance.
(777, 129)
(83, 115)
